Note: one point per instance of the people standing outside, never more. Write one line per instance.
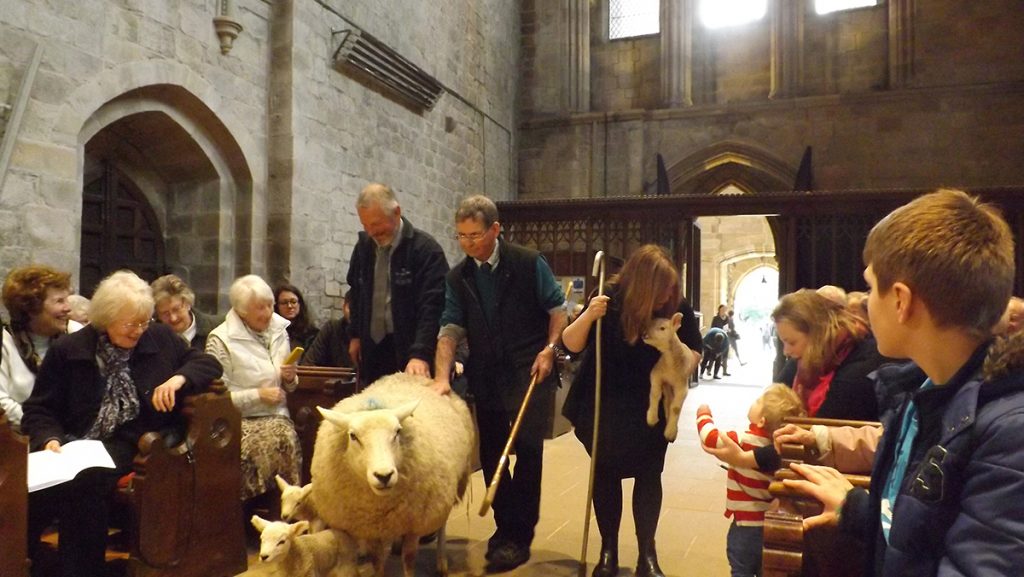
(505, 301)
(175, 307)
(647, 287)
(734, 336)
(396, 275)
(948, 472)
(723, 321)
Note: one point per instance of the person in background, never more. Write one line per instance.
(734, 337)
(1012, 320)
(646, 288)
(79, 309)
(722, 321)
(292, 306)
(175, 307)
(747, 496)
(251, 344)
(715, 346)
(36, 297)
(330, 347)
(112, 381)
(504, 299)
(397, 277)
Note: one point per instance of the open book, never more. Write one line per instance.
(47, 468)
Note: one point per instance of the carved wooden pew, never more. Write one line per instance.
(318, 387)
(185, 516)
(788, 550)
(13, 501)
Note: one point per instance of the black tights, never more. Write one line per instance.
(646, 506)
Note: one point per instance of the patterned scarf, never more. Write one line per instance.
(120, 401)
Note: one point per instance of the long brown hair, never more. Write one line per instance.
(640, 283)
(828, 326)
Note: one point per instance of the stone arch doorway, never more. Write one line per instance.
(188, 177)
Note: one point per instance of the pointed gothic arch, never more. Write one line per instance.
(745, 165)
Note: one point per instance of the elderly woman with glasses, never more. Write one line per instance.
(111, 381)
(252, 345)
(36, 297)
(174, 307)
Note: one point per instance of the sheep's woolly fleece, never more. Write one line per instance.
(432, 459)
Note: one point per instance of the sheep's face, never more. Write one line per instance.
(276, 537)
(661, 332)
(292, 498)
(374, 441)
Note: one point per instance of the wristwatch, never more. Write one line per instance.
(553, 347)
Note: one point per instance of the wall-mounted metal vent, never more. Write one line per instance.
(371, 56)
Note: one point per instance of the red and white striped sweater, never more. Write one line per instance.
(747, 496)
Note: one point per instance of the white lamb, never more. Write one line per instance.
(671, 374)
(289, 550)
(390, 463)
(297, 504)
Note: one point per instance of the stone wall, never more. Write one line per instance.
(270, 143)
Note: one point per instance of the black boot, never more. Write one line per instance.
(608, 564)
(647, 563)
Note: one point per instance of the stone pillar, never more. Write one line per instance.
(578, 71)
(677, 52)
(901, 42)
(787, 47)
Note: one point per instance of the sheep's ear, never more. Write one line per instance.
(404, 411)
(259, 522)
(337, 419)
(281, 483)
(677, 320)
(305, 491)
(300, 528)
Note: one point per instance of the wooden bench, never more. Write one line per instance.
(318, 387)
(185, 516)
(788, 550)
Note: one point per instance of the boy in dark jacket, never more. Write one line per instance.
(946, 488)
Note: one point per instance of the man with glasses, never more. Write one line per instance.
(504, 300)
(396, 275)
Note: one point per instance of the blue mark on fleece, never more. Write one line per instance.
(372, 404)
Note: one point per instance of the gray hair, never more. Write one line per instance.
(377, 194)
(122, 292)
(477, 207)
(247, 288)
(169, 286)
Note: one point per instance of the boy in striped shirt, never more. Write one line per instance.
(747, 496)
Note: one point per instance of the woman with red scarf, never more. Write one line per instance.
(834, 352)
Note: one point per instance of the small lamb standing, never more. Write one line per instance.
(390, 463)
(671, 374)
(289, 550)
(297, 504)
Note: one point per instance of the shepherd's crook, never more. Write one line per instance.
(492, 489)
(599, 273)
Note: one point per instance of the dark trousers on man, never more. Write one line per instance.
(377, 360)
(517, 503)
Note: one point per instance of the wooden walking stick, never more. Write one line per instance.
(599, 273)
(492, 489)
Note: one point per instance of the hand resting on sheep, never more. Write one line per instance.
(671, 374)
(390, 463)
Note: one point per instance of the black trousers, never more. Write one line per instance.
(377, 360)
(82, 509)
(517, 503)
(647, 495)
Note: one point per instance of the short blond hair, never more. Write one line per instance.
(171, 285)
(778, 402)
(122, 291)
(954, 252)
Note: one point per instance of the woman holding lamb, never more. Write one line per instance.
(251, 344)
(647, 287)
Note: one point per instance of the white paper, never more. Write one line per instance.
(47, 468)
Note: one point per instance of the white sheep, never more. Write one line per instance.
(297, 504)
(390, 463)
(671, 374)
(289, 550)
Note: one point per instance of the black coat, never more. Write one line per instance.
(330, 347)
(852, 392)
(204, 324)
(69, 388)
(418, 267)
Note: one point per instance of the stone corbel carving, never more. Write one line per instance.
(226, 25)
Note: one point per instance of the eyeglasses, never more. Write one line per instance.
(171, 311)
(136, 326)
(472, 236)
(288, 303)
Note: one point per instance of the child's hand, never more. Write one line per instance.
(703, 409)
(791, 434)
(731, 454)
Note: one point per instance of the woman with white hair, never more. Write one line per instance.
(251, 344)
(112, 381)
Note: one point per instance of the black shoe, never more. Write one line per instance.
(726, 374)
(716, 377)
(496, 541)
(647, 564)
(608, 564)
(507, 557)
